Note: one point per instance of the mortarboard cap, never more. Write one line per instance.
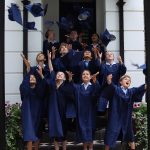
(65, 24)
(142, 66)
(30, 26)
(36, 9)
(106, 37)
(49, 23)
(14, 13)
(83, 16)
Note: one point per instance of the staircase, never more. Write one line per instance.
(101, 122)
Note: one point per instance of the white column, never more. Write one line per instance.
(112, 24)
(134, 39)
(13, 48)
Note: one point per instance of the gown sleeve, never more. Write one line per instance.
(25, 87)
(122, 69)
(105, 96)
(138, 93)
(41, 88)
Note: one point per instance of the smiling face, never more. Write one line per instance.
(86, 76)
(125, 81)
(32, 80)
(60, 76)
(109, 56)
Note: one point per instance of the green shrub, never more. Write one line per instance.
(13, 128)
(140, 123)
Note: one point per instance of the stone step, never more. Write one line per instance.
(71, 136)
(98, 145)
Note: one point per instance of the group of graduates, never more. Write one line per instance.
(74, 81)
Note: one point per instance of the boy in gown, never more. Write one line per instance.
(59, 95)
(32, 94)
(121, 99)
(86, 95)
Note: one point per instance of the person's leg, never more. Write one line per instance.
(85, 145)
(132, 145)
(107, 147)
(56, 144)
(90, 146)
(64, 145)
(36, 145)
(29, 145)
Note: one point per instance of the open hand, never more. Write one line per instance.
(26, 62)
(93, 78)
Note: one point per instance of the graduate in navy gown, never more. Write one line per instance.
(40, 59)
(111, 67)
(59, 94)
(73, 59)
(32, 95)
(50, 43)
(90, 61)
(76, 45)
(86, 95)
(121, 99)
(97, 44)
(61, 63)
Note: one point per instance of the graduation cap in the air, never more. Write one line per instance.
(49, 23)
(30, 26)
(141, 67)
(83, 15)
(106, 37)
(36, 9)
(14, 13)
(65, 24)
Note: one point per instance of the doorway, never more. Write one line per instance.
(69, 11)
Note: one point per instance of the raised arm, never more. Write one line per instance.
(50, 61)
(26, 62)
(122, 68)
(25, 86)
(138, 93)
(106, 94)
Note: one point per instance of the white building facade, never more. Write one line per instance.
(107, 16)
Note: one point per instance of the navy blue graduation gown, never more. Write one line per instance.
(102, 49)
(74, 57)
(58, 107)
(48, 46)
(93, 66)
(120, 112)
(46, 74)
(76, 45)
(117, 70)
(33, 70)
(61, 63)
(32, 100)
(86, 111)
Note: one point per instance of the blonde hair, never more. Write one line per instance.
(124, 76)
